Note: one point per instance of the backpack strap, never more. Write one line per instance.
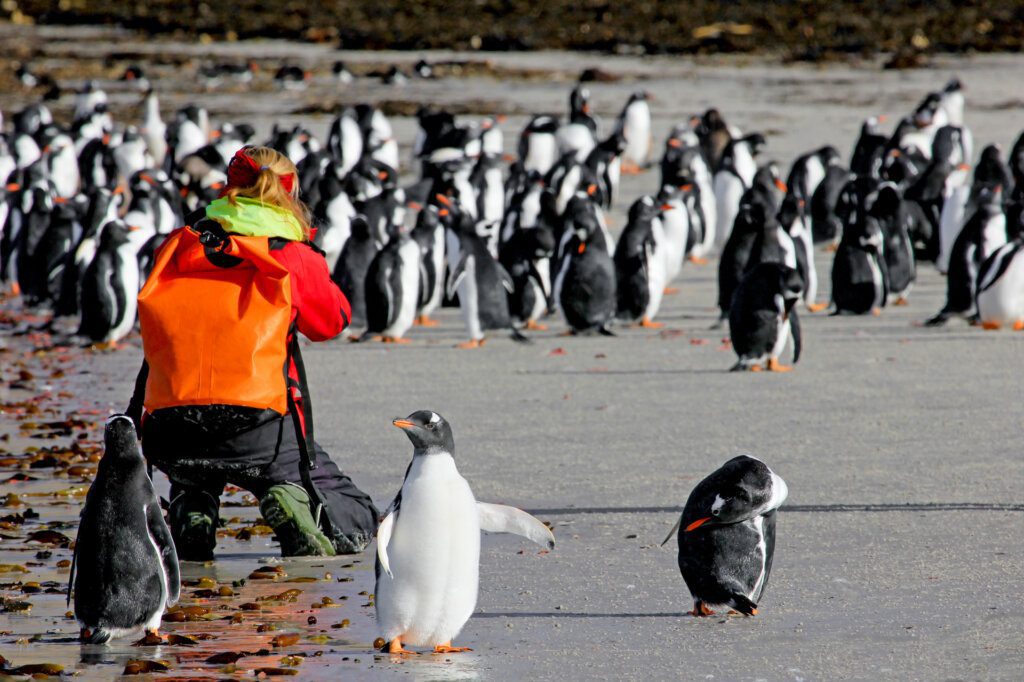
(307, 448)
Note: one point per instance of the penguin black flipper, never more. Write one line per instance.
(120, 297)
(456, 275)
(742, 604)
(794, 329)
(161, 536)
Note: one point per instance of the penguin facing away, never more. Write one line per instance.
(428, 545)
(125, 568)
(763, 317)
(726, 536)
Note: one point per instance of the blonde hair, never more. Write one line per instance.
(268, 188)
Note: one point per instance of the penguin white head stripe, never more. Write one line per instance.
(429, 432)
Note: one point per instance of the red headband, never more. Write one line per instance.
(243, 172)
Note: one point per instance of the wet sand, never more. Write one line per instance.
(603, 437)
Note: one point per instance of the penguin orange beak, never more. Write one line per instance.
(403, 424)
(697, 524)
(667, 207)
(781, 185)
(443, 199)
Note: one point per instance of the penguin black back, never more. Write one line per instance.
(125, 569)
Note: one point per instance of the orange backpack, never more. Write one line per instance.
(215, 315)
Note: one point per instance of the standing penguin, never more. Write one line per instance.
(640, 270)
(125, 568)
(482, 283)
(353, 264)
(585, 284)
(429, 234)
(392, 289)
(859, 280)
(727, 536)
(734, 176)
(110, 288)
(428, 545)
(1001, 287)
(526, 256)
(982, 235)
(762, 317)
(635, 123)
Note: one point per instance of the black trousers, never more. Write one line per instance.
(203, 448)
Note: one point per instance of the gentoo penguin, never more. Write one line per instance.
(635, 123)
(893, 217)
(727, 536)
(585, 283)
(341, 73)
(990, 172)
(482, 283)
(538, 148)
(869, 149)
(793, 217)
(762, 317)
(345, 141)
(392, 289)
(676, 234)
(110, 288)
(714, 136)
(579, 135)
(334, 214)
(125, 569)
(825, 224)
(734, 176)
(527, 258)
(859, 279)
(1001, 287)
(352, 266)
(982, 235)
(809, 170)
(428, 545)
(154, 130)
(605, 162)
(640, 267)
(429, 234)
(683, 165)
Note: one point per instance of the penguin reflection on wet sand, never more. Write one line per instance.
(428, 545)
(125, 569)
(726, 536)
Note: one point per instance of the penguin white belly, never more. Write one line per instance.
(788, 248)
(876, 279)
(1002, 301)
(409, 253)
(540, 303)
(783, 327)
(494, 196)
(437, 257)
(657, 278)
(570, 182)
(128, 279)
(815, 174)
(708, 206)
(675, 229)
(614, 173)
(338, 229)
(993, 237)
(951, 221)
(469, 304)
(434, 556)
(542, 153)
(728, 191)
(805, 242)
(576, 138)
(637, 130)
(157, 560)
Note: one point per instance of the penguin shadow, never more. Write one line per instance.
(628, 372)
(571, 614)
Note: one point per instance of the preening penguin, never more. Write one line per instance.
(727, 535)
(125, 569)
(428, 545)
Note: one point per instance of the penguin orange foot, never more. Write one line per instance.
(775, 366)
(426, 321)
(533, 325)
(1018, 326)
(816, 307)
(472, 343)
(669, 291)
(395, 647)
(630, 168)
(648, 323)
(901, 300)
(447, 648)
(991, 325)
(151, 638)
(697, 260)
(394, 339)
(700, 610)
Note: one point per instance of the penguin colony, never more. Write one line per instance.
(84, 206)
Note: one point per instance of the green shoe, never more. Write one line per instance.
(286, 509)
(193, 517)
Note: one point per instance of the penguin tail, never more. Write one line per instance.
(96, 636)
(743, 605)
(518, 336)
(938, 320)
